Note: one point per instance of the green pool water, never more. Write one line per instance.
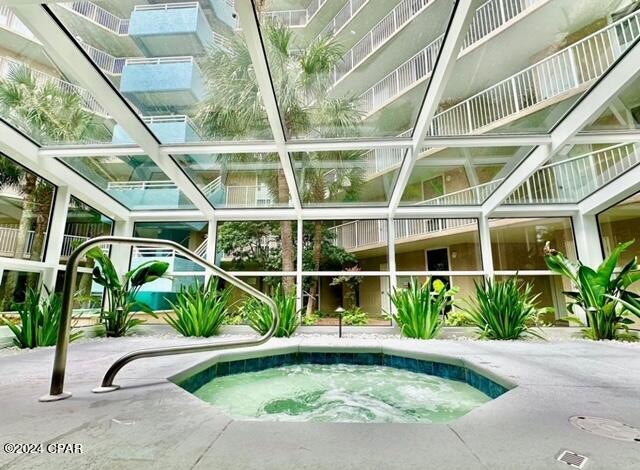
(341, 393)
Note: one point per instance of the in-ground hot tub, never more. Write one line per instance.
(331, 386)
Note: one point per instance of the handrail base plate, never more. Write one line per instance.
(111, 388)
(58, 397)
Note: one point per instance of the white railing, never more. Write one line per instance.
(247, 195)
(105, 61)
(295, 18)
(71, 242)
(561, 74)
(99, 16)
(566, 181)
(9, 20)
(378, 35)
(342, 18)
(167, 6)
(158, 60)
(140, 185)
(7, 65)
(378, 160)
(212, 187)
(9, 239)
(201, 249)
(574, 179)
(362, 233)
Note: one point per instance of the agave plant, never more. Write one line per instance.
(503, 309)
(259, 316)
(121, 293)
(602, 294)
(200, 311)
(39, 320)
(420, 307)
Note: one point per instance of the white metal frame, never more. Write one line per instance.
(66, 53)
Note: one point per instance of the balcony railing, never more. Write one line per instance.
(566, 181)
(378, 160)
(359, 234)
(562, 74)
(296, 18)
(105, 61)
(7, 65)
(342, 18)
(9, 20)
(99, 16)
(9, 239)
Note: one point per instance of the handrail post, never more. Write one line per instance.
(56, 390)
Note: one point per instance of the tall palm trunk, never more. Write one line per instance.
(286, 236)
(318, 233)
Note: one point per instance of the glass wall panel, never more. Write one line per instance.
(365, 299)
(25, 207)
(13, 287)
(88, 295)
(619, 224)
(622, 112)
(135, 181)
(191, 235)
(183, 65)
(556, 50)
(257, 245)
(576, 172)
(159, 293)
(83, 222)
(265, 284)
(437, 245)
(344, 178)
(459, 176)
(40, 98)
(238, 180)
(518, 244)
(356, 68)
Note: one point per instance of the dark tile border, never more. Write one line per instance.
(438, 369)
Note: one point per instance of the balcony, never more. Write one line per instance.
(170, 29)
(168, 129)
(145, 194)
(9, 239)
(296, 18)
(237, 195)
(225, 12)
(174, 82)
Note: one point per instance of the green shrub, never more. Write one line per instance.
(601, 294)
(200, 311)
(311, 319)
(39, 321)
(420, 307)
(503, 309)
(259, 317)
(121, 294)
(457, 318)
(357, 316)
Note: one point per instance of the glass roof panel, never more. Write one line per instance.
(238, 180)
(575, 173)
(39, 98)
(459, 176)
(622, 112)
(347, 178)
(355, 68)
(135, 181)
(183, 66)
(556, 50)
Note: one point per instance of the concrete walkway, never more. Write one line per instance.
(152, 423)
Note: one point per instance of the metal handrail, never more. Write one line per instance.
(60, 360)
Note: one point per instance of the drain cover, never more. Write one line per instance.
(606, 428)
(572, 459)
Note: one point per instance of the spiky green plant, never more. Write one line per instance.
(503, 309)
(259, 317)
(121, 293)
(200, 311)
(39, 320)
(420, 307)
(601, 294)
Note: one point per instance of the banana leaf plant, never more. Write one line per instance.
(603, 294)
(121, 293)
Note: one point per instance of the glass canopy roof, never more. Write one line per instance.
(318, 104)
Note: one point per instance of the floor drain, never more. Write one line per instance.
(572, 459)
(606, 428)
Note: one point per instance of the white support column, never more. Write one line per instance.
(588, 243)
(485, 247)
(299, 267)
(121, 254)
(55, 230)
(391, 250)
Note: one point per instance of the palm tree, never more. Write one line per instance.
(233, 108)
(50, 114)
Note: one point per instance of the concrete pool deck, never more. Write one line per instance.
(152, 423)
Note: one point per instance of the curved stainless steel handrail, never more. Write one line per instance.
(60, 361)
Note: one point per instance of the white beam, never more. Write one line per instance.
(613, 193)
(25, 152)
(454, 37)
(57, 223)
(595, 100)
(252, 37)
(66, 54)
(587, 238)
